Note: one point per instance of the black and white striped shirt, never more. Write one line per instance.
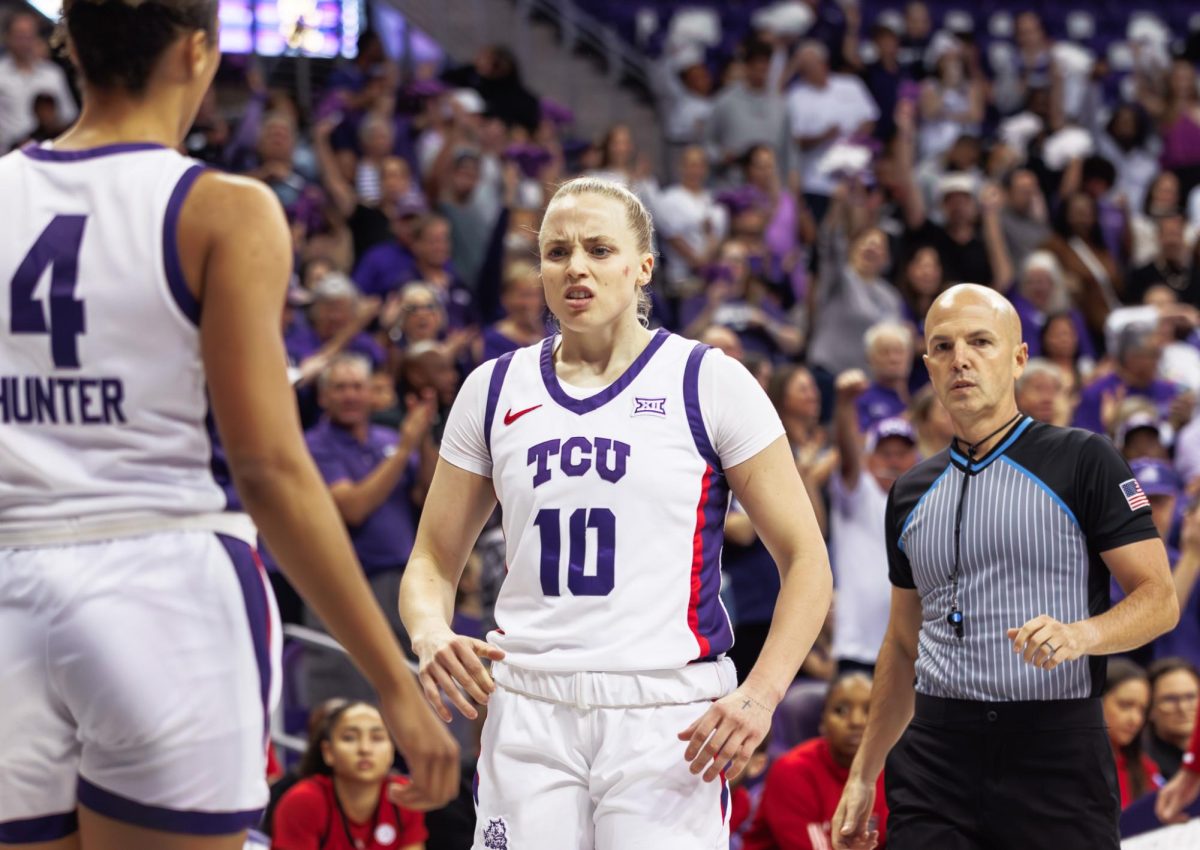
(1040, 509)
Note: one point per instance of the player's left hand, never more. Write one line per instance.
(728, 733)
(1045, 642)
(1176, 796)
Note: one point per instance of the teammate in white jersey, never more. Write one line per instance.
(611, 450)
(136, 628)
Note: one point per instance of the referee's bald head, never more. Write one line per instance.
(973, 350)
(967, 295)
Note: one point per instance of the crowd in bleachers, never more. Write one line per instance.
(827, 179)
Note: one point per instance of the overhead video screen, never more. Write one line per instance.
(322, 28)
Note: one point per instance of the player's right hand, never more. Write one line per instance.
(429, 750)
(447, 662)
(851, 826)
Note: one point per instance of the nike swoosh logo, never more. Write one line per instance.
(510, 417)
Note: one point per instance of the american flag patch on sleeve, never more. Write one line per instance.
(1132, 491)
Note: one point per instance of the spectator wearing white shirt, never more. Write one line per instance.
(24, 74)
(822, 109)
(750, 111)
(857, 543)
(691, 223)
(683, 86)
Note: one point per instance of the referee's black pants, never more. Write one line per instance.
(1003, 776)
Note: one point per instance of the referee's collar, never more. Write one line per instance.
(1014, 433)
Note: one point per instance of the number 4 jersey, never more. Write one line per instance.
(613, 501)
(102, 394)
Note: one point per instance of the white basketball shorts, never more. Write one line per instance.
(592, 761)
(137, 678)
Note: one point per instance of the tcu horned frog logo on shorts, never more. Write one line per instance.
(495, 834)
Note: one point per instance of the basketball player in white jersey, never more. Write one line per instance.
(137, 633)
(612, 450)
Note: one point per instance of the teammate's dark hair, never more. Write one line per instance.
(118, 42)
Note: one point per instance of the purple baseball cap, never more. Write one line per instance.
(1156, 476)
(893, 426)
(1137, 422)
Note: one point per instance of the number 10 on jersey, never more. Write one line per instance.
(549, 523)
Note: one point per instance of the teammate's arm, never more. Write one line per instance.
(769, 488)
(234, 243)
(892, 698)
(458, 505)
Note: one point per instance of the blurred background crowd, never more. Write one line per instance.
(818, 173)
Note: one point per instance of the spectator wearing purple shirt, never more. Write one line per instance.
(373, 476)
(431, 256)
(277, 158)
(1185, 638)
(1187, 455)
(388, 265)
(524, 321)
(889, 348)
(738, 299)
(1138, 351)
(1042, 292)
(370, 221)
(337, 311)
(414, 317)
(1042, 392)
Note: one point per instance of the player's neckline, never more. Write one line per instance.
(601, 397)
(44, 154)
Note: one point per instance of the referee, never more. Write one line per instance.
(1000, 550)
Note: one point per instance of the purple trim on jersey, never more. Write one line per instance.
(691, 405)
(254, 594)
(592, 402)
(493, 397)
(175, 280)
(157, 817)
(41, 154)
(712, 621)
(475, 788)
(218, 463)
(39, 829)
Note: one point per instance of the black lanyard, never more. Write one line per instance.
(350, 839)
(955, 617)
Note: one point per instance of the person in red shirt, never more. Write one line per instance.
(1184, 787)
(345, 801)
(803, 787)
(1126, 698)
(745, 794)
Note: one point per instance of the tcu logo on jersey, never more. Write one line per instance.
(577, 455)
